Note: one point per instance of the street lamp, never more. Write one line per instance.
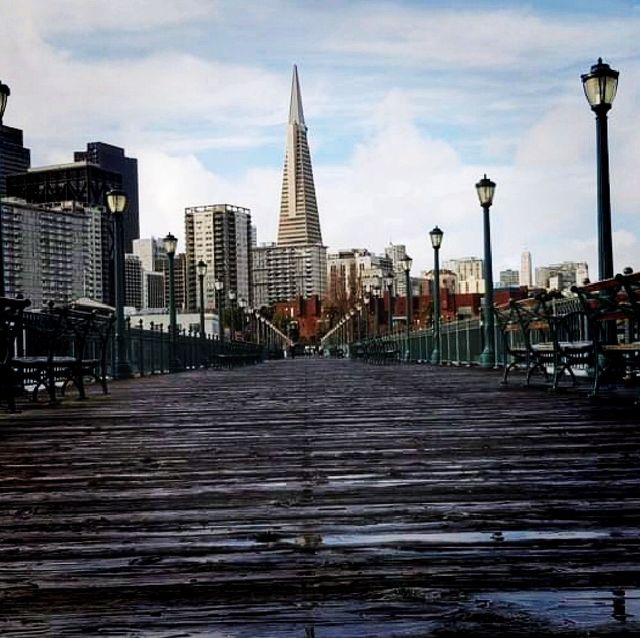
(436, 241)
(242, 304)
(201, 268)
(389, 282)
(5, 92)
(366, 300)
(376, 303)
(117, 204)
(406, 264)
(486, 188)
(219, 286)
(600, 86)
(170, 245)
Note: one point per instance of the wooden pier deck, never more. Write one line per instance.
(321, 499)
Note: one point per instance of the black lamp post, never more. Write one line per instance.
(376, 308)
(242, 305)
(5, 92)
(486, 188)
(219, 286)
(170, 245)
(436, 241)
(600, 86)
(406, 263)
(389, 282)
(366, 304)
(232, 308)
(117, 204)
(201, 268)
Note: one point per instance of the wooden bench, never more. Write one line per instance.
(63, 346)
(611, 304)
(539, 340)
(11, 318)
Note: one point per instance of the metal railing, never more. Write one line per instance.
(461, 342)
(149, 350)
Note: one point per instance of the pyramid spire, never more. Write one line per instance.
(296, 116)
(299, 222)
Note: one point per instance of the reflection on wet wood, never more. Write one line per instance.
(309, 493)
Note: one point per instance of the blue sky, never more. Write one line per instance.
(407, 104)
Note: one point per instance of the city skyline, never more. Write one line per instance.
(407, 111)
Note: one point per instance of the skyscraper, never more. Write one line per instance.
(299, 221)
(296, 266)
(526, 271)
(112, 158)
(14, 157)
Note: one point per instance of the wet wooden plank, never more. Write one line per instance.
(312, 494)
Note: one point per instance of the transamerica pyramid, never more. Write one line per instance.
(299, 222)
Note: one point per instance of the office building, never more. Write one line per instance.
(112, 158)
(296, 266)
(153, 289)
(133, 282)
(509, 278)
(299, 220)
(562, 276)
(526, 270)
(14, 157)
(469, 273)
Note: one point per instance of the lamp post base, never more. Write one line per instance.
(487, 358)
(435, 357)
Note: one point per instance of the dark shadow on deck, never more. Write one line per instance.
(314, 497)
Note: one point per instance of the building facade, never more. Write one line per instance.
(299, 223)
(509, 278)
(470, 274)
(526, 270)
(133, 282)
(79, 182)
(282, 273)
(562, 276)
(296, 266)
(221, 236)
(14, 157)
(112, 158)
(52, 252)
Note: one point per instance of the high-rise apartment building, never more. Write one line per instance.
(470, 274)
(112, 158)
(282, 273)
(52, 252)
(526, 270)
(220, 235)
(80, 182)
(14, 157)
